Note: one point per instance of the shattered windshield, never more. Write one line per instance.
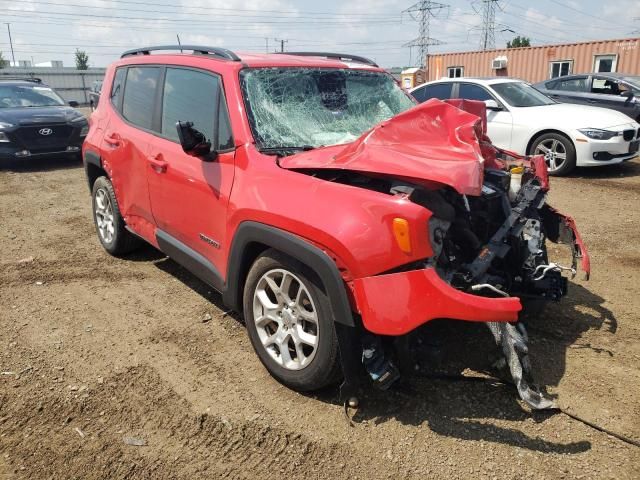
(313, 107)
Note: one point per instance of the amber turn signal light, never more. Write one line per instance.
(401, 232)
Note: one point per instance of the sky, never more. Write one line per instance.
(44, 30)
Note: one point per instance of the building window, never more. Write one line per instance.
(560, 68)
(455, 72)
(605, 63)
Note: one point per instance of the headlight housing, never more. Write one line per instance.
(84, 131)
(598, 133)
(3, 136)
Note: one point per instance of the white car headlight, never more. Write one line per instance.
(598, 133)
(3, 136)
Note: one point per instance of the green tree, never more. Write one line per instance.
(3, 62)
(82, 60)
(519, 42)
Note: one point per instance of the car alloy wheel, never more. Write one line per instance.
(555, 153)
(286, 319)
(104, 215)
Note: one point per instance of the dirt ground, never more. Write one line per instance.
(97, 353)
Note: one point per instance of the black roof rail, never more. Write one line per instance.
(196, 49)
(21, 78)
(337, 56)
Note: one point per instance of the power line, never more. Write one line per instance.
(488, 27)
(385, 15)
(422, 12)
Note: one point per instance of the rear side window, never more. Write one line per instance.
(117, 88)
(139, 95)
(197, 97)
(470, 91)
(441, 91)
(572, 85)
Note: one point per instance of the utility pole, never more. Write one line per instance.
(488, 27)
(11, 43)
(282, 42)
(422, 12)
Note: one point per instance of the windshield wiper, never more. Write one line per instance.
(285, 149)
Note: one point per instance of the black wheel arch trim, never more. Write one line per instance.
(91, 159)
(296, 247)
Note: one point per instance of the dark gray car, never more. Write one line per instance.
(610, 90)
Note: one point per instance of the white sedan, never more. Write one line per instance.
(525, 121)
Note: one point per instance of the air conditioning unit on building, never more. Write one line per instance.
(499, 63)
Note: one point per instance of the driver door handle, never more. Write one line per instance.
(158, 163)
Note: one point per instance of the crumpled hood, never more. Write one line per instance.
(432, 142)
(36, 115)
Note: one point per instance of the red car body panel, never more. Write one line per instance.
(412, 145)
(397, 303)
(360, 238)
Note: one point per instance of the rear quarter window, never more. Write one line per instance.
(117, 88)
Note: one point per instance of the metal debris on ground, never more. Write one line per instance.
(136, 442)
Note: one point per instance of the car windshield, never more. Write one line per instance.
(520, 94)
(17, 96)
(313, 107)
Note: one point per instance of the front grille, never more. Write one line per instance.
(638, 135)
(34, 139)
(628, 134)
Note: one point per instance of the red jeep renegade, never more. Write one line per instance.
(324, 204)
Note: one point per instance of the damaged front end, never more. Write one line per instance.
(488, 229)
(489, 252)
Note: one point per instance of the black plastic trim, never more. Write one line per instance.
(296, 247)
(90, 157)
(222, 53)
(336, 56)
(190, 259)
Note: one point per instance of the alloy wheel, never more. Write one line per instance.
(286, 319)
(554, 151)
(104, 215)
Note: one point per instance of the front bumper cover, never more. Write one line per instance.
(397, 303)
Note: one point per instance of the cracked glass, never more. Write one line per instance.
(313, 107)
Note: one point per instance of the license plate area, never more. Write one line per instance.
(633, 146)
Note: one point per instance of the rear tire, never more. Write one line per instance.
(110, 225)
(558, 150)
(290, 324)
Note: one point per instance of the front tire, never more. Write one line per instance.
(289, 322)
(110, 225)
(559, 153)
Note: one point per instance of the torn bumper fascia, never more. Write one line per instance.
(562, 228)
(397, 303)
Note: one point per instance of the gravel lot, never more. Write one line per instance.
(99, 355)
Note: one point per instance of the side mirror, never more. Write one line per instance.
(193, 142)
(627, 94)
(73, 104)
(492, 105)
